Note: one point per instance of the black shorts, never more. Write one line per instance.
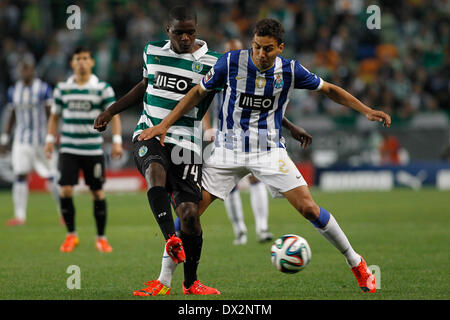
(183, 181)
(93, 170)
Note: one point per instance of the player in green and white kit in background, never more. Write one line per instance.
(78, 101)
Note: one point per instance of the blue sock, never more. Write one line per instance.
(21, 179)
(177, 225)
(322, 220)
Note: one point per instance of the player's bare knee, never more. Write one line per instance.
(190, 220)
(155, 175)
(98, 194)
(310, 210)
(66, 191)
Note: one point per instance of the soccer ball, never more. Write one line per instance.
(290, 253)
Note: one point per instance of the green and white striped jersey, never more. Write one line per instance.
(170, 76)
(78, 107)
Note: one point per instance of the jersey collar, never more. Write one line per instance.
(200, 52)
(93, 80)
(22, 83)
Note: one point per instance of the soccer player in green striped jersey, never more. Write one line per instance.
(78, 101)
(171, 69)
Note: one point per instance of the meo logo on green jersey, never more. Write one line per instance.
(79, 105)
(171, 82)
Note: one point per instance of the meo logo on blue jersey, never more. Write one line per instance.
(171, 82)
(249, 101)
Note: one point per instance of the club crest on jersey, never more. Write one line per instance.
(260, 82)
(278, 82)
(197, 67)
(209, 75)
(143, 151)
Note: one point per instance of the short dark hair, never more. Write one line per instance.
(81, 49)
(271, 28)
(182, 13)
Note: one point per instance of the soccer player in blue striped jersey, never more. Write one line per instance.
(258, 193)
(258, 82)
(29, 101)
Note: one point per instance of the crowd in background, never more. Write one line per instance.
(402, 68)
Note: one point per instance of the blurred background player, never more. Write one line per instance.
(389, 150)
(29, 101)
(258, 193)
(78, 101)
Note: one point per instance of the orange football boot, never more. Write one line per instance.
(366, 280)
(102, 245)
(70, 243)
(155, 288)
(15, 222)
(174, 248)
(199, 289)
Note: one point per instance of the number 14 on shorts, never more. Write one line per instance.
(193, 171)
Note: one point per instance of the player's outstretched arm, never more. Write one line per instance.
(133, 97)
(190, 100)
(298, 133)
(341, 96)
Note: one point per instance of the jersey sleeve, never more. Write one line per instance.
(144, 69)
(108, 96)
(47, 95)
(9, 98)
(57, 101)
(216, 77)
(304, 79)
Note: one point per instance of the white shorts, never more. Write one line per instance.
(224, 168)
(26, 158)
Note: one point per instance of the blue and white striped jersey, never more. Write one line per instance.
(29, 104)
(254, 102)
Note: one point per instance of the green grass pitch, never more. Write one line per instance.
(405, 233)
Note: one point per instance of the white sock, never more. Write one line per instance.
(20, 198)
(260, 206)
(334, 234)
(54, 191)
(167, 269)
(233, 206)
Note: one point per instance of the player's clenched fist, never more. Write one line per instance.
(48, 149)
(101, 122)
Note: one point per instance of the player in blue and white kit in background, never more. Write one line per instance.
(29, 101)
(258, 82)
